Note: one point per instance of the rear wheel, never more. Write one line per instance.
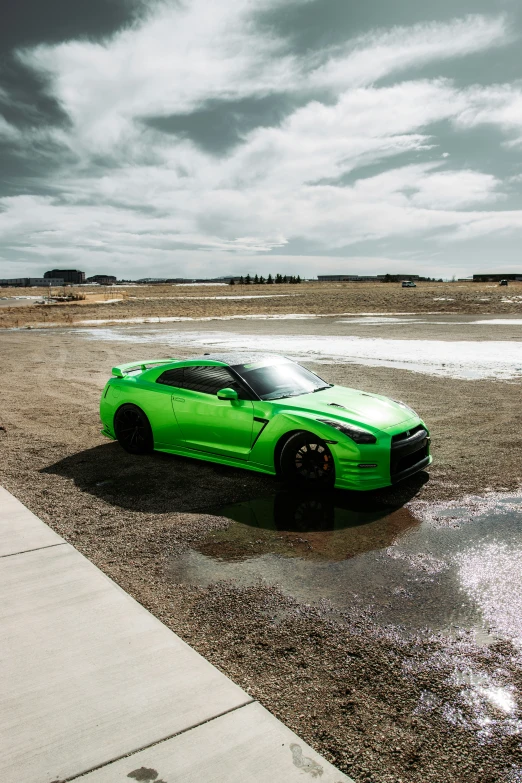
(307, 460)
(133, 430)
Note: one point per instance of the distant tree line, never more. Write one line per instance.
(260, 280)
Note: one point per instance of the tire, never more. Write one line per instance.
(306, 460)
(133, 430)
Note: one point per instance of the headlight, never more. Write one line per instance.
(355, 433)
(403, 405)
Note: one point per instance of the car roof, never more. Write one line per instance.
(239, 357)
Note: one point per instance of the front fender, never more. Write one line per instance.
(284, 424)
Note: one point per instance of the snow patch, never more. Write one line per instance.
(460, 359)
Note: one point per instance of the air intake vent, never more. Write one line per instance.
(336, 405)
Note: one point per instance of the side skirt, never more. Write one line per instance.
(207, 457)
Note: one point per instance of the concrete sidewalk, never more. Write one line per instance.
(93, 683)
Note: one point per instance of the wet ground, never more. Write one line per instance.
(444, 345)
(420, 326)
(433, 568)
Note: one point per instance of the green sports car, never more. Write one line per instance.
(264, 413)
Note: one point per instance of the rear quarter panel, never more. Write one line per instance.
(153, 399)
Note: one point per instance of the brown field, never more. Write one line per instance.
(341, 681)
(170, 301)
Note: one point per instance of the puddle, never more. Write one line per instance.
(451, 570)
(327, 528)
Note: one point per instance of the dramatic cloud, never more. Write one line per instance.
(198, 138)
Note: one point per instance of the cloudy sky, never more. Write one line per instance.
(200, 138)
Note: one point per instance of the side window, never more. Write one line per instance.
(172, 377)
(208, 380)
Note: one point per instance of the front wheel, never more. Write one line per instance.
(133, 430)
(307, 460)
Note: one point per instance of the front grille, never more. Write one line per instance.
(410, 452)
(407, 434)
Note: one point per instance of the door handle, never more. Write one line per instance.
(178, 399)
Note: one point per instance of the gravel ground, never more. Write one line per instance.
(316, 298)
(381, 705)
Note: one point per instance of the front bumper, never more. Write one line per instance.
(409, 453)
(394, 458)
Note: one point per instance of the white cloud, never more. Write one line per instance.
(373, 56)
(179, 57)
(185, 54)
(455, 189)
(499, 105)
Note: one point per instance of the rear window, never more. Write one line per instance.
(172, 377)
(207, 380)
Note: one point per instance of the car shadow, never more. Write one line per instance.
(164, 483)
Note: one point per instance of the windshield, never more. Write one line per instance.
(276, 378)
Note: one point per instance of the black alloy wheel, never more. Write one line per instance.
(133, 430)
(306, 459)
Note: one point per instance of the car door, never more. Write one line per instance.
(208, 423)
(166, 429)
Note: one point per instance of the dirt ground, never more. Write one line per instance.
(352, 689)
(318, 298)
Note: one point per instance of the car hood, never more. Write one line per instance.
(357, 407)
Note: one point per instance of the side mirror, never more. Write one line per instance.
(227, 394)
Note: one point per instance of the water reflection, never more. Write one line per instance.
(330, 526)
(299, 511)
(457, 569)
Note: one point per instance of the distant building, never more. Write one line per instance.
(102, 279)
(496, 277)
(398, 278)
(337, 278)
(364, 278)
(67, 275)
(26, 282)
(45, 281)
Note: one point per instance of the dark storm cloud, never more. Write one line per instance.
(26, 103)
(22, 173)
(31, 22)
(25, 162)
(220, 125)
